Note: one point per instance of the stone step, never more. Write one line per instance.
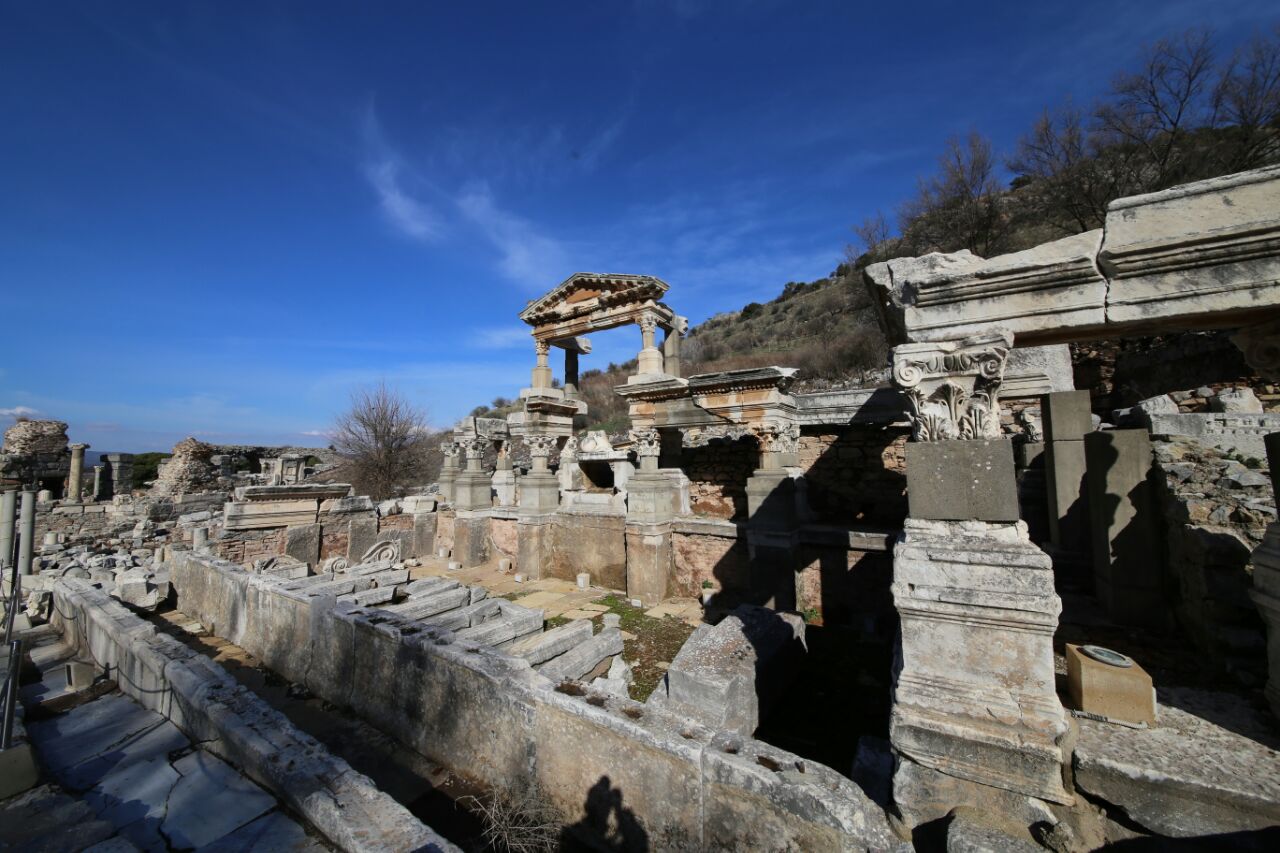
(421, 607)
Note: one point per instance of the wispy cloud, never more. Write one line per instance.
(504, 337)
(317, 433)
(390, 178)
(528, 256)
(19, 412)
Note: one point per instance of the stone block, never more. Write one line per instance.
(1066, 415)
(1126, 526)
(540, 648)
(649, 561)
(1236, 401)
(962, 480)
(424, 534)
(1117, 692)
(362, 534)
(261, 515)
(471, 539)
(584, 657)
(303, 543)
(728, 676)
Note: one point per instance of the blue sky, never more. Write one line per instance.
(220, 218)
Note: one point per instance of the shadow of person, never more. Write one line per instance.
(606, 823)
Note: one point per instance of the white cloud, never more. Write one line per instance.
(504, 337)
(528, 257)
(19, 412)
(406, 213)
(316, 433)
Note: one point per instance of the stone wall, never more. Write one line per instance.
(1216, 511)
(187, 470)
(718, 476)
(668, 782)
(711, 551)
(90, 521)
(857, 474)
(245, 546)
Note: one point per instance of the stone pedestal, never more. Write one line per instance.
(471, 538)
(1067, 420)
(974, 695)
(473, 490)
(772, 538)
(534, 541)
(539, 492)
(1126, 527)
(449, 469)
(425, 525)
(650, 559)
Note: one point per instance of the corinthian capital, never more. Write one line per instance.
(648, 442)
(953, 388)
(540, 446)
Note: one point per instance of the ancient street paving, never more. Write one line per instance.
(125, 773)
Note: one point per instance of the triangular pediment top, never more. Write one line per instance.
(608, 288)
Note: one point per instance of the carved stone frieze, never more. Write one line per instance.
(953, 388)
(704, 435)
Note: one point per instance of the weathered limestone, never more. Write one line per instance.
(1201, 255)
(119, 471)
(584, 657)
(1236, 432)
(473, 489)
(728, 676)
(1125, 526)
(961, 480)
(974, 697)
(449, 470)
(97, 481)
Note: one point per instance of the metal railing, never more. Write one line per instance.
(16, 569)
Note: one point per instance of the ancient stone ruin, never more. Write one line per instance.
(963, 608)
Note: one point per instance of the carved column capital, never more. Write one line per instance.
(541, 348)
(953, 388)
(648, 323)
(778, 438)
(449, 449)
(648, 442)
(1261, 347)
(475, 447)
(540, 446)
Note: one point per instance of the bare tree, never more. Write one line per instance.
(1246, 105)
(958, 208)
(873, 242)
(383, 438)
(1155, 109)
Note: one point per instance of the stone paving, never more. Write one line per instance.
(554, 596)
(122, 778)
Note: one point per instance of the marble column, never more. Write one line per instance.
(448, 469)
(97, 482)
(671, 364)
(77, 472)
(541, 370)
(650, 358)
(8, 509)
(974, 704)
(26, 532)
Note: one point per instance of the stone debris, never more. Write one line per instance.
(584, 657)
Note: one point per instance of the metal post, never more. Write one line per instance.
(26, 544)
(10, 695)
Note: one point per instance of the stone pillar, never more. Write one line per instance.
(8, 508)
(975, 711)
(650, 358)
(772, 522)
(200, 539)
(1266, 583)
(448, 469)
(1126, 527)
(541, 370)
(26, 532)
(97, 482)
(671, 364)
(74, 479)
(504, 477)
(1068, 418)
(119, 473)
(652, 498)
(570, 372)
(539, 500)
(473, 488)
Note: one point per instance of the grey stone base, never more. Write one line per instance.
(471, 544)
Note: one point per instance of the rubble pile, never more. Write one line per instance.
(189, 469)
(30, 438)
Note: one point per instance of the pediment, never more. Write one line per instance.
(583, 293)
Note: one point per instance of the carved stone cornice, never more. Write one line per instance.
(953, 388)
